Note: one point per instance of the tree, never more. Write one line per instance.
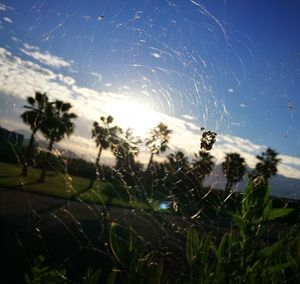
(125, 152)
(105, 137)
(126, 149)
(267, 166)
(234, 168)
(177, 161)
(34, 117)
(178, 179)
(57, 124)
(202, 165)
(158, 140)
(178, 168)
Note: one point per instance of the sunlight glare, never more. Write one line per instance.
(135, 115)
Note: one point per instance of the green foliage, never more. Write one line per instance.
(242, 256)
(270, 261)
(133, 265)
(42, 274)
(92, 277)
(198, 253)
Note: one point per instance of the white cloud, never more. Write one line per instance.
(13, 38)
(66, 79)
(86, 148)
(44, 57)
(97, 75)
(21, 78)
(11, 124)
(293, 161)
(155, 55)
(234, 123)
(8, 20)
(4, 7)
(188, 117)
(30, 47)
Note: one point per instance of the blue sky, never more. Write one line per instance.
(232, 66)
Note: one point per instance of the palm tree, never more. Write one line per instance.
(178, 177)
(105, 137)
(177, 161)
(202, 165)
(57, 124)
(234, 168)
(267, 166)
(126, 150)
(158, 141)
(34, 117)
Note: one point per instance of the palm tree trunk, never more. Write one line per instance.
(150, 161)
(98, 157)
(96, 168)
(28, 156)
(43, 173)
(228, 187)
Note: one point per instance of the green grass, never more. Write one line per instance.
(64, 186)
(56, 184)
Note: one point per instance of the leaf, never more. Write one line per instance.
(206, 246)
(267, 210)
(112, 277)
(268, 251)
(156, 273)
(278, 213)
(223, 245)
(92, 277)
(192, 246)
(121, 244)
(278, 267)
(268, 190)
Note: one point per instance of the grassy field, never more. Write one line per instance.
(65, 186)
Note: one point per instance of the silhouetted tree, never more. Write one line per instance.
(177, 161)
(126, 149)
(267, 166)
(177, 167)
(234, 168)
(125, 152)
(202, 166)
(158, 140)
(34, 117)
(57, 124)
(178, 178)
(105, 137)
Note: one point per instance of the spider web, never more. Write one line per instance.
(170, 54)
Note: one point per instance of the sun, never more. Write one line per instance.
(135, 115)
